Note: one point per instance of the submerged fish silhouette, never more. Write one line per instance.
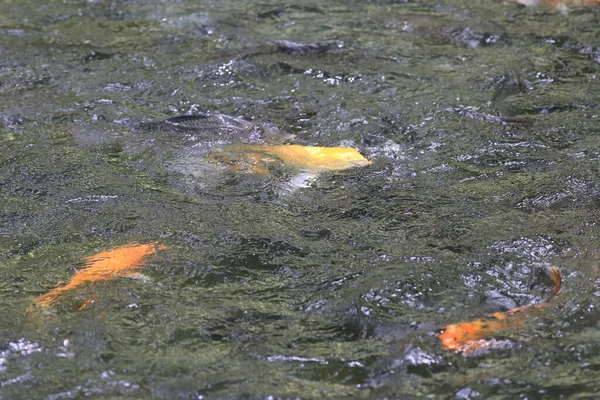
(211, 127)
(256, 158)
(103, 266)
(466, 337)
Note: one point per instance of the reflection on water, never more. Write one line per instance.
(479, 120)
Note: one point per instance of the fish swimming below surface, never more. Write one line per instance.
(103, 266)
(205, 145)
(251, 146)
(466, 337)
(256, 158)
(209, 127)
(471, 336)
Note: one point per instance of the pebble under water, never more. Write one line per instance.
(480, 119)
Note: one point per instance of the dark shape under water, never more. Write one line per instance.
(217, 127)
(296, 48)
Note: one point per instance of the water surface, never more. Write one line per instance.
(481, 119)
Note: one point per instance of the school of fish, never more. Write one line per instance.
(464, 337)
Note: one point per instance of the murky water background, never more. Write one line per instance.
(481, 119)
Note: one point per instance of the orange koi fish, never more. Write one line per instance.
(466, 337)
(103, 266)
(256, 158)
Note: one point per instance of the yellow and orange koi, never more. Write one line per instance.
(466, 337)
(103, 266)
(256, 158)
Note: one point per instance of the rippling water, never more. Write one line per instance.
(481, 119)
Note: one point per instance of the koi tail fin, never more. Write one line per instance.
(554, 274)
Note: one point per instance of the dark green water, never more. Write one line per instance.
(332, 291)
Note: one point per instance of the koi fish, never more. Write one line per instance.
(255, 158)
(466, 337)
(216, 127)
(103, 266)
(262, 144)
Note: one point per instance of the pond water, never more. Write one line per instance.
(481, 121)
